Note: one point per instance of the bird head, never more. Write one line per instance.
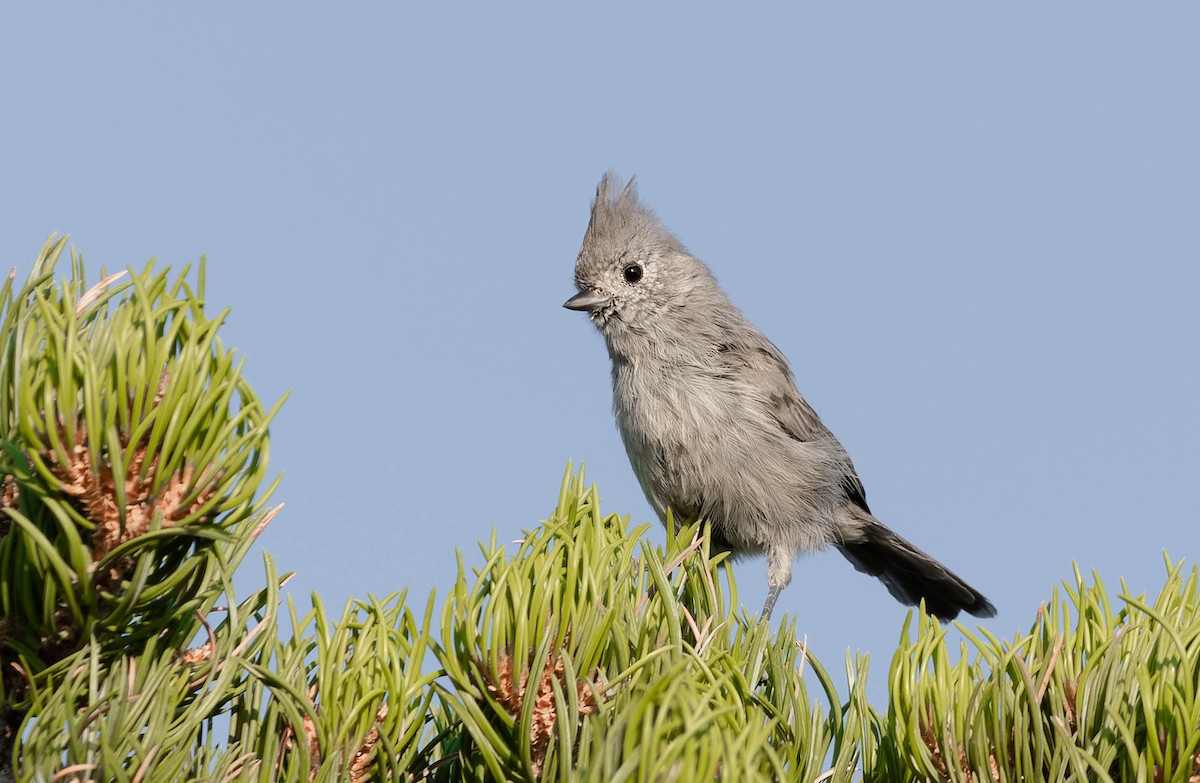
(632, 272)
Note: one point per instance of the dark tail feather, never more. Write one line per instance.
(911, 575)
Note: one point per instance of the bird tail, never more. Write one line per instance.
(911, 575)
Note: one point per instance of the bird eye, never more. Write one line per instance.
(633, 273)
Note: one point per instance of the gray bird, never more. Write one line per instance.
(712, 421)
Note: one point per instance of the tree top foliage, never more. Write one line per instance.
(134, 453)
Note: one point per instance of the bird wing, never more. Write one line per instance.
(765, 367)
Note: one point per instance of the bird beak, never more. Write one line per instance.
(589, 299)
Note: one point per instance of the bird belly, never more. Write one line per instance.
(705, 451)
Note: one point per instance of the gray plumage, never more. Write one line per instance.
(713, 423)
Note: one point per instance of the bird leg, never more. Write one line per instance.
(769, 606)
(779, 575)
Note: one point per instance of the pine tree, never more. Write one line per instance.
(134, 462)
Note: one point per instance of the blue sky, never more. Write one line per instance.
(972, 228)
